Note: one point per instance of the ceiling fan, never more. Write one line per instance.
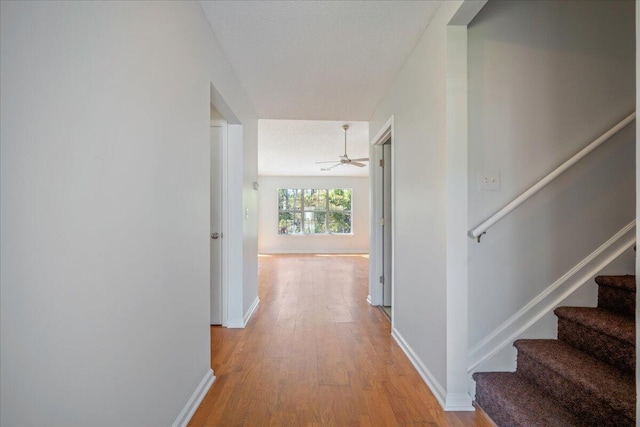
(344, 159)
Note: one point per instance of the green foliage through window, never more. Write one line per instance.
(314, 211)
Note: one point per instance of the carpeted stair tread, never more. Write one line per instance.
(603, 334)
(627, 282)
(584, 378)
(510, 400)
(604, 321)
(580, 379)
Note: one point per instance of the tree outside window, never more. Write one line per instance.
(314, 211)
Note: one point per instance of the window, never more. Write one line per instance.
(314, 211)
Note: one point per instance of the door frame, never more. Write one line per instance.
(232, 209)
(377, 211)
(387, 224)
(224, 247)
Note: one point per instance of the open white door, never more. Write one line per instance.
(218, 139)
(381, 243)
(386, 226)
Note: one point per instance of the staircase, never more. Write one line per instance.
(584, 378)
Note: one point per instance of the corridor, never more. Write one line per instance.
(316, 353)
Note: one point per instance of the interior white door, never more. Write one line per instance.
(386, 227)
(218, 133)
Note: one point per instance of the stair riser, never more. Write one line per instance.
(617, 300)
(493, 407)
(508, 399)
(580, 401)
(608, 349)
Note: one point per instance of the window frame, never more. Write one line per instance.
(326, 210)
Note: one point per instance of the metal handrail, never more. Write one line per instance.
(481, 229)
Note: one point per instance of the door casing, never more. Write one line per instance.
(376, 260)
(218, 314)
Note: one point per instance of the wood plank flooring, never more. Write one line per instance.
(315, 353)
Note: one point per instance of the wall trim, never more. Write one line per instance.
(450, 401)
(252, 309)
(467, 11)
(433, 384)
(194, 401)
(456, 250)
(385, 133)
(461, 402)
(314, 251)
(235, 324)
(242, 323)
(548, 299)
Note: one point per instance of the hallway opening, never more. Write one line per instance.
(316, 353)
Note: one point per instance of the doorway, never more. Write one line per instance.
(218, 141)
(227, 263)
(381, 274)
(387, 197)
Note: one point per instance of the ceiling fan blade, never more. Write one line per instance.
(331, 167)
(330, 161)
(344, 158)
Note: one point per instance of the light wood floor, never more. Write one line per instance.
(315, 353)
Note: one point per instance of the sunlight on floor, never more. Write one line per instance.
(345, 255)
(324, 255)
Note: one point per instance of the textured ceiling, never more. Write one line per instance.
(291, 147)
(317, 60)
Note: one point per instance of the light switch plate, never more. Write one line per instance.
(489, 180)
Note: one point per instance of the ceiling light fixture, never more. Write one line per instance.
(344, 159)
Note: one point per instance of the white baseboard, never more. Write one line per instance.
(235, 324)
(450, 401)
(459, 402)
(251, 310)
(313, 251)
(546, 301)
(471, 387)
(369, 299)
(242, 323)
(427, 377)
(194, 401)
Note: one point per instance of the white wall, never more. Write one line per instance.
(546, 326)
(269, 241)
(250, 224)
(417, 99)
(545, 79)
(105, 209)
